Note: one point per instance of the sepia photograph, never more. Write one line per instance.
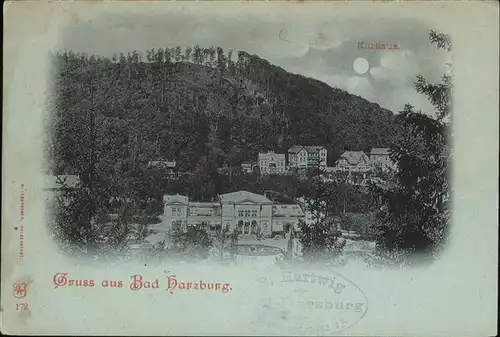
(264, 168)
(250, 141)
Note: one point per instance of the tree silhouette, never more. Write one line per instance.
(415, 214)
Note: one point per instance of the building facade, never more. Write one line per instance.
(168, 166)
(354, 161)
(380, 158)
(247, 167)
(272, 163)
(249, 213)
(304, 157)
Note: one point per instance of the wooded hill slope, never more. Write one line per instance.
(197, 105)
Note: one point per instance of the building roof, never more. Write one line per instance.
(271, 156)
(176, 199)
(163, 163)
(313, 149)
(380, 151)
(353, 157)
(287, 210)
(295, 149)
(309, 149)
(242, 196)
(202, 208)
(204, 204)
(61, 181)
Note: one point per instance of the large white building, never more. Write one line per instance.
(248, 212)
(304, 157)
(272, 163)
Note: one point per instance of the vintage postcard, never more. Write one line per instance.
(250, 168)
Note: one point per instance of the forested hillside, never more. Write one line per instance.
(199, 107)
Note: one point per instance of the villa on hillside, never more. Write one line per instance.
(166, 165)
(380, 157)
(353, 161)
(271, 163)
(247, 212)
(247, 167)
(307, 156)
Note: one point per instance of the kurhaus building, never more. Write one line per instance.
(248, 212)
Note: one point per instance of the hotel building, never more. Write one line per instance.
(248, 212)
(272, 163)
(304, 157)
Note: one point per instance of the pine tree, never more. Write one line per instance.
(415, 214)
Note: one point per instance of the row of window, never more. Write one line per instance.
(278, 163)
(176, 211)
(247, 213)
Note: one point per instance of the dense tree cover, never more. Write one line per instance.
(321, 241)
(194, 243)
(332, 205)
(416, 213)
(201, 107)
(190, 104)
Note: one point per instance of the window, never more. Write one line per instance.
(240, 226)
(240, 212)
(254, 227)
(176, 211)
(247, 227)
(247, 212)
(254, 213)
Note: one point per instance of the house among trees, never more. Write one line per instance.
(246, 212)
(380, 158)
(303, 157)
(354, 161)
(247, 166)
(165, 165)
(272, 163)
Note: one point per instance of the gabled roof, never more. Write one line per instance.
(271, 155)
(242, 196)
(353, 157)
(295, 149)
(61, 181)
(380, 151)
(313, 149)
(175, 199)
(308, 148)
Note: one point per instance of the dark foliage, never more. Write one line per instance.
(194, 243)
(415, 215)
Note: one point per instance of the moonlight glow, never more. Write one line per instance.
(360, 65)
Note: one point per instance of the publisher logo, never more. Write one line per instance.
(20, 290)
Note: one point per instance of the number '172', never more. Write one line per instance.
(21, 306)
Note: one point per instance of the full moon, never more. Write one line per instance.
(360, 65)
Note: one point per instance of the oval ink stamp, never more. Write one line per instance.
(309, 302)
